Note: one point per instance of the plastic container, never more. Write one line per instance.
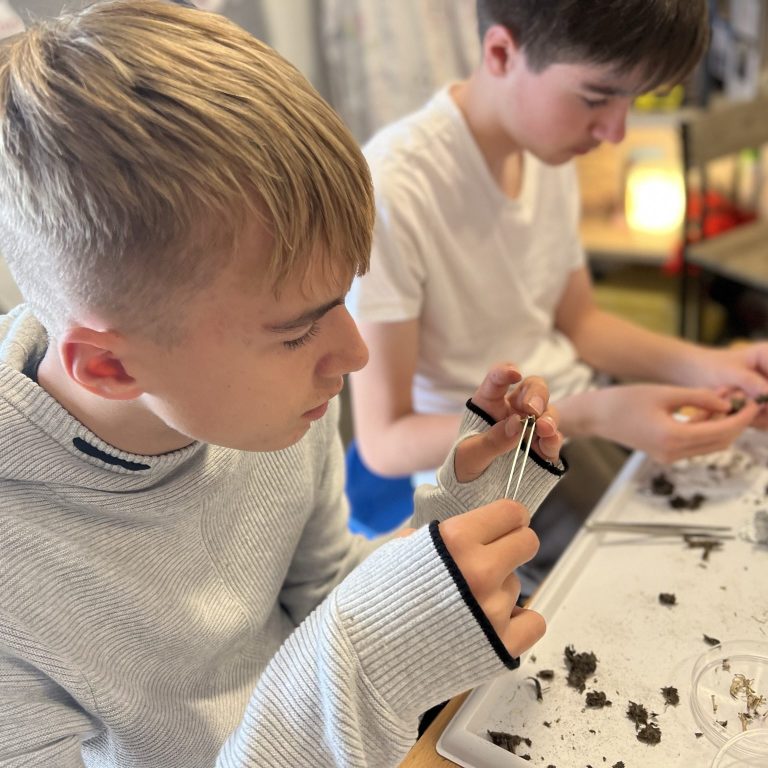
(719, 714)
(747, 749)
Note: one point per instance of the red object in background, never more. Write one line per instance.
(720, 216)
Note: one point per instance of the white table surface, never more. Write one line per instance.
(603, 598)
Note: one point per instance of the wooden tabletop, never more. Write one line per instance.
(740, 254)
(423, 754)
(615, 242)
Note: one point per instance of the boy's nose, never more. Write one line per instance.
(349, 352)
(357, 351)
(612, 125)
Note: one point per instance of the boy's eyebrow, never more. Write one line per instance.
(606, 90)
(305, 318)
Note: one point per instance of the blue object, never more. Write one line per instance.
(377, 504)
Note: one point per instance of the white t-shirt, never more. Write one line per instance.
(483, 273)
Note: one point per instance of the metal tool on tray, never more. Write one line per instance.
(529, 427)
(662, 529)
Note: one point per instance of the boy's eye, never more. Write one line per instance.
(302, 340)
(594, 103)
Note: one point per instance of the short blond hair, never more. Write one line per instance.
(137, 140)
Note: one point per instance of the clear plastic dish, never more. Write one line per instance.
(749, 748)
(729, 694)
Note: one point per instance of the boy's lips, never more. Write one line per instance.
(316, 413)
(319, 411)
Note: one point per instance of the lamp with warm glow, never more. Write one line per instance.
(655, 198)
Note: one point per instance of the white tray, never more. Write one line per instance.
(603, 597)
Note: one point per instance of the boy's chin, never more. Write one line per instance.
(559, 157)
(276, 442)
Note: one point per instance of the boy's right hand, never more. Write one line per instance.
(488, 544)
(645, 417)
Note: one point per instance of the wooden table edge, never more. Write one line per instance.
(423, 754)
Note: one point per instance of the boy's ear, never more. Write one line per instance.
(88, 358)
(500, 50)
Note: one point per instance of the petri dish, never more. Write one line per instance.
(727, 685)
(749, 748)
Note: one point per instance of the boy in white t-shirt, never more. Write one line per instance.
(476, 253)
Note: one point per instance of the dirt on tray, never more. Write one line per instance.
(580, 667)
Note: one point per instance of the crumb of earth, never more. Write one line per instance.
(698, 734)
(661, 485)
(580, 667)
(671, 696)
(597, 700)
(508, 741)
(645, 732)
(649, 734)
(667, 598)
(711, 640)
(689, 502)
(545, 674)
(620, 764)
(637, 713)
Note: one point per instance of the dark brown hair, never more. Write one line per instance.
(666, 38)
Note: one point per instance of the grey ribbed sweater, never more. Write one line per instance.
(206, 607)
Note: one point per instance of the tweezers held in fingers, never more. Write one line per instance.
(529, 427)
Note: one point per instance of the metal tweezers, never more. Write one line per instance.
(663, 529)
(529, 426)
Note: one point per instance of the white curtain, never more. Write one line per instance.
(247, 13)
(375, 60)
(10, 22)
(384, 58)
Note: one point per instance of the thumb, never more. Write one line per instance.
(700, 399)
(491, 394)
(752, 383)
(524, 629)
(475, 454)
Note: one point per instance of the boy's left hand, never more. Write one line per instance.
(741, 368)
(528, 397)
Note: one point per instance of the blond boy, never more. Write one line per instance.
(184, 216)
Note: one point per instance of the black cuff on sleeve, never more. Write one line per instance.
(548, 465)
(461, 583)
(478, 411)
(543, 463)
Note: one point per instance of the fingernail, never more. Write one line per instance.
(512, 426)
(536, 404)
(547, 420)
